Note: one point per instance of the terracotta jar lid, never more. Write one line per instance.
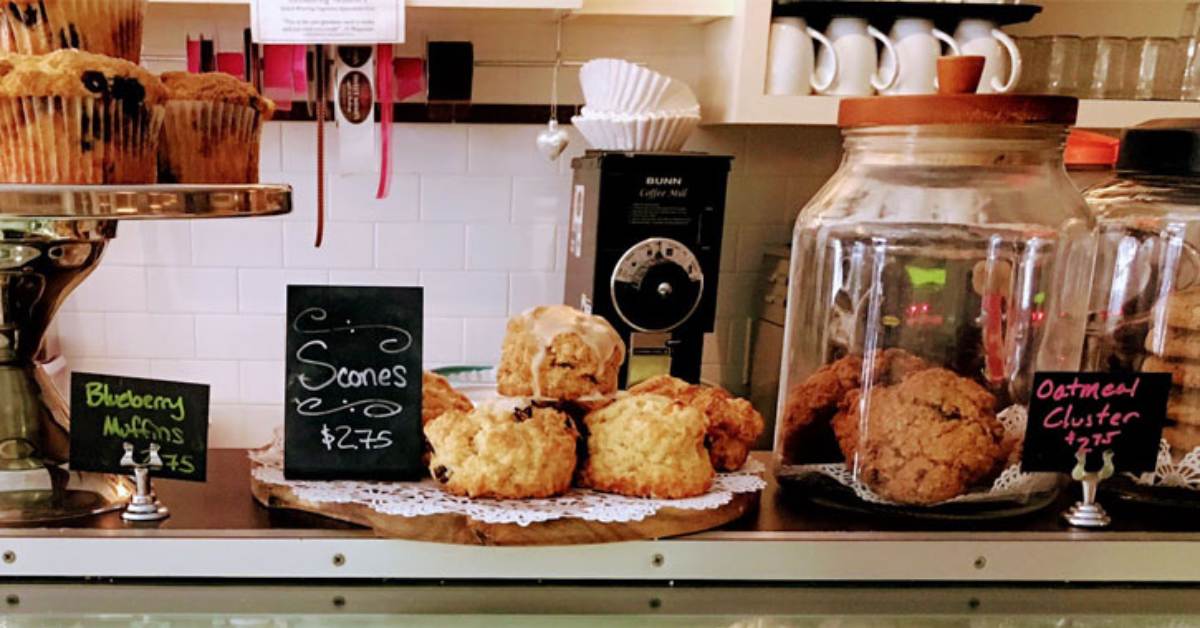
(957, 103)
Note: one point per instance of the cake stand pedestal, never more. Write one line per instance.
(51, 238)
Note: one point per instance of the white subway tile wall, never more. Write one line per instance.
(475, 215)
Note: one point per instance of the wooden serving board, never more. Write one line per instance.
(463, 530)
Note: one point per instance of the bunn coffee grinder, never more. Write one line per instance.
(644, 252)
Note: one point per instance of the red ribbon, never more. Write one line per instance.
(193, 55)
(384, 75)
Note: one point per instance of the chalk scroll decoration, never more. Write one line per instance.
(314, 322)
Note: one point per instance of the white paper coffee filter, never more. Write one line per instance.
(651, 132)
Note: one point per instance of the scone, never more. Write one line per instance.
(647, 446)
(503, 450)
(733, 424)
(439, 397)
(107, 27)
(817, 399)
(928, 439)
(74, 117)
(557, 352)
(212, 129)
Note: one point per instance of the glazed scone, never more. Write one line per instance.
(557, 352)
(212, 130)
(503, 450)
(106, 27)
(733, 424)
(647, 446)
(74, 117)
(439, 397)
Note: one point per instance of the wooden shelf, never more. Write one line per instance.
(698, 9)
(822, 110)
(433, 4)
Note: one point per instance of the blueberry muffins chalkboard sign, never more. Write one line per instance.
(108, 411)
(353, 385)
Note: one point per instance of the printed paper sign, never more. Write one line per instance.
(327, 21)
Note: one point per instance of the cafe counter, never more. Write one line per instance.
(218, 532)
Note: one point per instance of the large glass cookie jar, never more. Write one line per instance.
(1146, 300)
(945, 262)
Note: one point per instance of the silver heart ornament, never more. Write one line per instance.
(552, 141)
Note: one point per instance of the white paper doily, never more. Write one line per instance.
(1168, 472)
(426, 497)
(1011, 483)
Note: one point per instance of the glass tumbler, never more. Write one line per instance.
(1152, 69)
(1061, 64)
(1033, 74)
(1189, 57)
(1102, 67)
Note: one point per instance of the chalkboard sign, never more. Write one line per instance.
(353, 383)
(1094, 412)
(109, 411)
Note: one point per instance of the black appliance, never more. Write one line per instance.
(644, 252)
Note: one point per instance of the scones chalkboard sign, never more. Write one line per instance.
(1093, 413)
(108, 411)
(353, 383)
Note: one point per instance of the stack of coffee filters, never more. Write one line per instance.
(629, 107)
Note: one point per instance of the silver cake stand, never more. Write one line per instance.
(51, 238)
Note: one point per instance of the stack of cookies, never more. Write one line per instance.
(561, 421)
(1174, 347)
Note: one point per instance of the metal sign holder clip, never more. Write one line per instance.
(144, 505)
(1088, 513)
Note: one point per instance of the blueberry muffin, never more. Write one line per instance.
(212, 130)
(107, 27)
(557, 352)
(927, 439)
(75, 117)
(505, 450)
(733, 424)
(647, 446)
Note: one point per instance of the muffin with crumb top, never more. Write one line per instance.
(213, 128)
(106, 27)
(76, 117)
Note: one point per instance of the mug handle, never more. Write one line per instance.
(948, 40)
(950, 43)
(824, 41)
(1014, 55)
(876, 81)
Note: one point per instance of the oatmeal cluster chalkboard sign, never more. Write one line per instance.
(353, 383)
(109, 411)
(1093, 413)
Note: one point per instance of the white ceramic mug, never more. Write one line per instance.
(1000, 53)
(918, 45)
(853, 60)
(790, 61)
